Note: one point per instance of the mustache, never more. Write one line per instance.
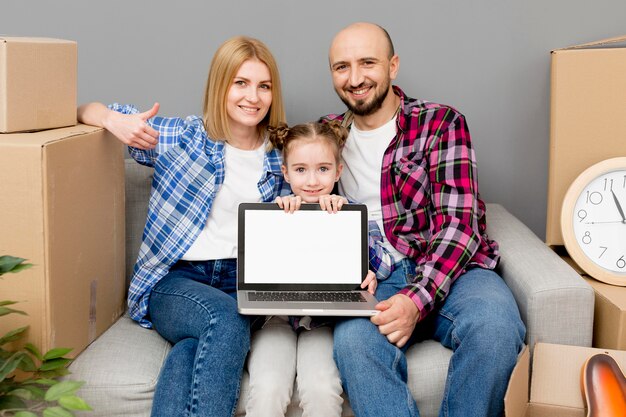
(358, 87)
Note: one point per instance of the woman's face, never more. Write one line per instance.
(249, 96)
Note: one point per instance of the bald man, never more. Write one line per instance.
(412, 163)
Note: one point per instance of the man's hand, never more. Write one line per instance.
(397, 319)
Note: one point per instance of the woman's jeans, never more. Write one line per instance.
(479, 321)
(194, 308)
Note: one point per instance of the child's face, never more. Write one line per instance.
(311, 169)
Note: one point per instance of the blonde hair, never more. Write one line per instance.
(333, 133)
(226, 62)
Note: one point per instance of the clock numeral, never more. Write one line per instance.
(586, 238)
(606, 181)
(582, 215)
(621, 263)
(624, 184)
(594, 198)
(605, 248)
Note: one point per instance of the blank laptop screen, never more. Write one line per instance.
(304, 247)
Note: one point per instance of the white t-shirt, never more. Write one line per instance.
(362, 166)
(218, 239)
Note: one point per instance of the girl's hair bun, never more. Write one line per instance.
(278, 135)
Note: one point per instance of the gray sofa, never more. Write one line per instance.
(121, 367)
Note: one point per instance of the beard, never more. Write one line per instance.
(364, 108)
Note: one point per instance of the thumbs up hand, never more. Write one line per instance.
(133, 129)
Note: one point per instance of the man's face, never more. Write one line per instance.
(361, 69)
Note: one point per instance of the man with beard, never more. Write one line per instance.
(413, 164)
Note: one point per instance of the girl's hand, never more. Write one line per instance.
(289, 203)
(133, 129)
(370, 282)
(332, 203)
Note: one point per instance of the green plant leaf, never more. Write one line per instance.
(12, 335)
(44, 381)
(7, 302)
(24, 414)
(37, 392)
(8, 263)
(27, 364)
(21, 267)
(11, 402)
(10, 364)
(72, 402)
(54, 373)
(41, 381)
(56, 353)
(34, 350)
(22, 393)
(54, 364)
(56, 412)
(6, 310)
(62, 389)
(7, 385)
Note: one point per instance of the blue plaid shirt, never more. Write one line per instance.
(381, 261)
(188, 172)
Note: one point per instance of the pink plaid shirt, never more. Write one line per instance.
(432, 211)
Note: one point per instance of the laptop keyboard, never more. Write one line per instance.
(312, 296)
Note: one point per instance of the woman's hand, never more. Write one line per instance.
(370, 282)
(289, 203)
(332, 203)
(133, 129)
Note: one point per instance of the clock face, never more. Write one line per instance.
(599, 221)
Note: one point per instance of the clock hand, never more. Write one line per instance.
(613, 221)
(619, 207)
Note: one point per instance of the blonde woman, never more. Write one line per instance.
(184, 281)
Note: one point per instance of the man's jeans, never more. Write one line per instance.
(479, 321)
(194, 308)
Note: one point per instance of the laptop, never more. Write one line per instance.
(306, 263)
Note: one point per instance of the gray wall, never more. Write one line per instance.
(488, 58)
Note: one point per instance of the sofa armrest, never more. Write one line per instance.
(555, 303)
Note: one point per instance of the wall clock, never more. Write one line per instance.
(593, 221)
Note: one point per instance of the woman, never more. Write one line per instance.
(184, 281)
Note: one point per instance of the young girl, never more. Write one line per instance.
(278, 354)
(184, 281)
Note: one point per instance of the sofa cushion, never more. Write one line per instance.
(138, 185)
(121, 369)
(122, 366)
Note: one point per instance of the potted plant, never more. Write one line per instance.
(30, 382)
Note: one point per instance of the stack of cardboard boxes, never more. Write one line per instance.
(61, 200)
(588, 124)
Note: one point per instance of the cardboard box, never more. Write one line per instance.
(609, 323)
(555, 389)
(37, 83)
(588, 117)
(62, 208)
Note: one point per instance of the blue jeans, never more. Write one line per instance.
(479, 321)
(195, 309)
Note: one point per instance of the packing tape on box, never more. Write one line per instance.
(92, 310)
